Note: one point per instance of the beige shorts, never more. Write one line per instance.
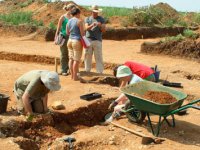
(75, 49)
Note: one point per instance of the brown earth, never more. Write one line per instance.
(187, 48)
(47, 12)
(81, 119)
(159, 97)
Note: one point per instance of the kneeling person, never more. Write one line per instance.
(32, 88)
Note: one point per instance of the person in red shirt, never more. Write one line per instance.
(141, 70)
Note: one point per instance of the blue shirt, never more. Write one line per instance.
(96, 33)
(74, 29)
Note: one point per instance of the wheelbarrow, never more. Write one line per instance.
(141, 107)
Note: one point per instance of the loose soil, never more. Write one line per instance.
(159, 97)
(187, 48)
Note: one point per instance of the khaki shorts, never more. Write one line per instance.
(75, 49)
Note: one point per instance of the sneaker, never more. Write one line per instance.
(65, 74)
(116, 115)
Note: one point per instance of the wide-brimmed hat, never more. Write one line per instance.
(51, 80)
(95, 8)
(123, 71)
(69, 6)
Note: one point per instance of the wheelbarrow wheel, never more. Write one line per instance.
(135, 115)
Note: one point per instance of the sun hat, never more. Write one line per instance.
(69, 6)
(123, 71)
(51, 80)
(95, 8)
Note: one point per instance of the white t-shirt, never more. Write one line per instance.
(135, 78)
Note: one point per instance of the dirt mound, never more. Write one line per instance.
(45, 12)
(186, 48)
(159, 97)
(170, 12)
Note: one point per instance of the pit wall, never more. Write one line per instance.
(110, 34)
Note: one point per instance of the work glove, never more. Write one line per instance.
(112, 105)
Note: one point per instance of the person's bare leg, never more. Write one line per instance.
(71, 68)
(75, 70)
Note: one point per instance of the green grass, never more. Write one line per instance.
(25, 4)
(178, 38)
(17, 18)
(113, 11)
(52, 26)
(190, 34)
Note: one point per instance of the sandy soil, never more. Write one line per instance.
(184, 135)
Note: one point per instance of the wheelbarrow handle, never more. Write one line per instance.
(193, 102)
(189, 105)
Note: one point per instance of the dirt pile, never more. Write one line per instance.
(159, 97)
(45, 12)
(170, 12)
(186, 48)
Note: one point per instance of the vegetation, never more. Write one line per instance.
(178, 38)
(146, 16)
(190, 34)
(186, 34)
(17, 18)
(52, 26)
(113, 11)
(196, 18)
(25, 4)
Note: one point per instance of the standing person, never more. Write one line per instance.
(61, 28)
(75, 28)
(140, 70)
(32, 88)
(94, 25)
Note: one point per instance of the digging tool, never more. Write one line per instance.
(56, 65)
(70, 140)
(145, 139)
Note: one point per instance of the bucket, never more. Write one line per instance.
(3, 103)
(157, 75)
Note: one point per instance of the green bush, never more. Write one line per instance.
(196, 18)
(17, 18)
(177, 38)
(24, 4)
(52, 26)
(146, 16)
(170, 22)
(190, 34)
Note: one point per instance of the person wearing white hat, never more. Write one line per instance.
(124, 74)
(94, 25)
(31, 90)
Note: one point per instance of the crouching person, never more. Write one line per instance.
(31, 90)
(125, 75)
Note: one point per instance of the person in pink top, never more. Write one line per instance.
(140, 70)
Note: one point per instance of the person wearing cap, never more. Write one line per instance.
(31, 90)
(75, 29)
(94, 25)
(61, 28)
(124, 74)
(140, 70)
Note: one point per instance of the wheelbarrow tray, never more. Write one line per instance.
(146, 105)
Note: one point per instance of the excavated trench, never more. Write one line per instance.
(41, 59)
(44, 129)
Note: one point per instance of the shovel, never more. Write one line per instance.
(145, 139)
